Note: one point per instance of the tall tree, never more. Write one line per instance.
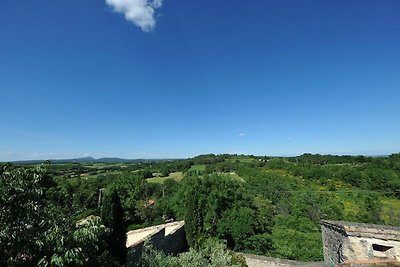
(194, 209)
(113, 218)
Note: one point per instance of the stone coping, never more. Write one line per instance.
(365, 230)
(138, 236)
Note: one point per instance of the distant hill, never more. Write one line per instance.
(88, 160)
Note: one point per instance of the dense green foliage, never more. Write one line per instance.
(211, 253)
(23, 207)
(217, 206)
(260, 205)
(34, 229)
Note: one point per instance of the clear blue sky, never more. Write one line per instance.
(86, 77)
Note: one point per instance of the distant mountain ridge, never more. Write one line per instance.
(88, 160)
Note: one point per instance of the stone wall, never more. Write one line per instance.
(135, 251)
(333, 238)
(169, 238)
(371, 248)
(174, 242)
(348, 242)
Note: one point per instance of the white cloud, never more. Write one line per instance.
(157, 3)
(241, 134)
(140, 12)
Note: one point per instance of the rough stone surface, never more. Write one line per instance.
(346, 242)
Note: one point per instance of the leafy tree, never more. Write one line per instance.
(216, 206)
(22, 211)
(259, 244)
(236, 225)
(147, 174)
(130, 188)
(83, 245)
(34, 230)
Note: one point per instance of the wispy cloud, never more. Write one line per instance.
(140, 12)
(241, 134)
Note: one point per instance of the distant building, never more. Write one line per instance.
(347, 243)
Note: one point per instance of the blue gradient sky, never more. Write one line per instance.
(258, 77)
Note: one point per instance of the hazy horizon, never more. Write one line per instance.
(38, 158)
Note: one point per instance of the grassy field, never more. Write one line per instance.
(233, 176)
(197, 167)
(177, 176)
